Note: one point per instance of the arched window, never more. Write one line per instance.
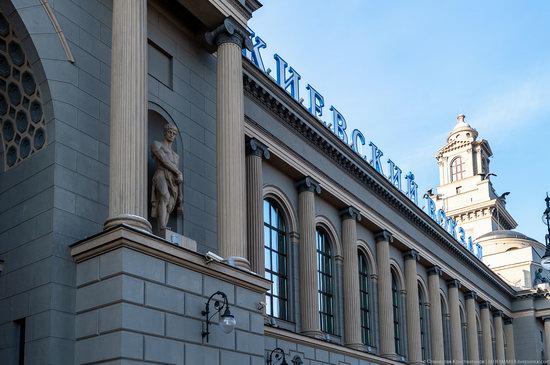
(423, 323)
(397, 309)
(446, 329)
(325, 289)
(457, 169)
(364, 286)
(479, 338)
(276, 260)
(464, 329)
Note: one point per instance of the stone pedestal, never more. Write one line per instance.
(455, 323)
(413, 311)
(473, 345)
(485, 309)
(179, 240)
(385, 304)
(128, 130)
(231, 184)
(436, 324)
(352, 302)
(256, 151)
(309, 306)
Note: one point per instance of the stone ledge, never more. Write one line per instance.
(126, 236)
(326, 346)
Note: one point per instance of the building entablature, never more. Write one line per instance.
(261, 88)
(485, 209)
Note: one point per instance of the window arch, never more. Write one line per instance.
(397, 314)
(364, 292)
(325, 282)
(276, 260)
(457, 169)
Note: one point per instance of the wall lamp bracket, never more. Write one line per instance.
(227, 320)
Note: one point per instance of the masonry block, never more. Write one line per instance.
(131, 317)
(87, 324)
(183, 278)
(131, 262)
(119, 288)
(234, 358)
(163, 350)
(197, 354)
(250, 343)
(165, 298)
(87, 271)
(109, 346)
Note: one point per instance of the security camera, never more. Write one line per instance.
(211, 256)
(261, 305)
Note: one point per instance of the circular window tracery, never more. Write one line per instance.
(22, 125)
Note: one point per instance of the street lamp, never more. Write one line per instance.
(545, 261)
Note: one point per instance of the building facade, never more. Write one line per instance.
(319, 257)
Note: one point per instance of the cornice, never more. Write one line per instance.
(304, 124)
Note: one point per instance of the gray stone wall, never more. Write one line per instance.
(134, 306)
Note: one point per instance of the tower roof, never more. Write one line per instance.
(462, 130)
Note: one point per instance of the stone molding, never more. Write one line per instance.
(453, 283)
(127, 236)
(411, 255)
(229, 32)
(497, 313)
(257, 148)
(435, 270)
(329, 144)
(383, 236)
(508, 321)
(545, 318)
(470, 295)
(485, 304)
(308, 184)
(350, 213)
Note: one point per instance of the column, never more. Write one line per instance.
(485, 309)
(499, 337)
(385, 305)
(413, 311)
(456, 326)
(473, 347)
(546, 321)
(309, 306)
(436, 324)
(509, 333)
(128, 131)
(231, 198)
(352, 302)
(254, 204)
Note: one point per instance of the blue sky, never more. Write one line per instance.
(401, 71)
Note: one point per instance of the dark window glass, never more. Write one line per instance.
(365, 300)
(423, 341)
(325, 288)
(276, 261)
(446, 334)
(396, 314)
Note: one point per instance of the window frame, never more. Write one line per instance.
(282, 251)
(397, 306)
(456, 164)
(325, 282)
(364, 293)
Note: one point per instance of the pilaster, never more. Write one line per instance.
(473, 346)
(499, 337)
(385, 307)
(436, 325)
(309, 306)
(254, 201)
(413, 312)
(455, 323)
(128, 130)
(485, 308)
(509, 335)
(352, 303)
(546, 321)
(229, 38)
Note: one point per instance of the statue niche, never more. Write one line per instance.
(165, 176)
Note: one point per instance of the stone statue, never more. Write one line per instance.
(539, 279)
(166, 191)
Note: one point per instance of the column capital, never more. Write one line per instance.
(435, 270)
(229, 32)
(485, 304)
(508, 321)
(350, 213)
(411, 255)
(383, 235)
(470, 295)
(497, 313)
(308, 184)
(257, 148)
(453, 283)
(545, 318)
